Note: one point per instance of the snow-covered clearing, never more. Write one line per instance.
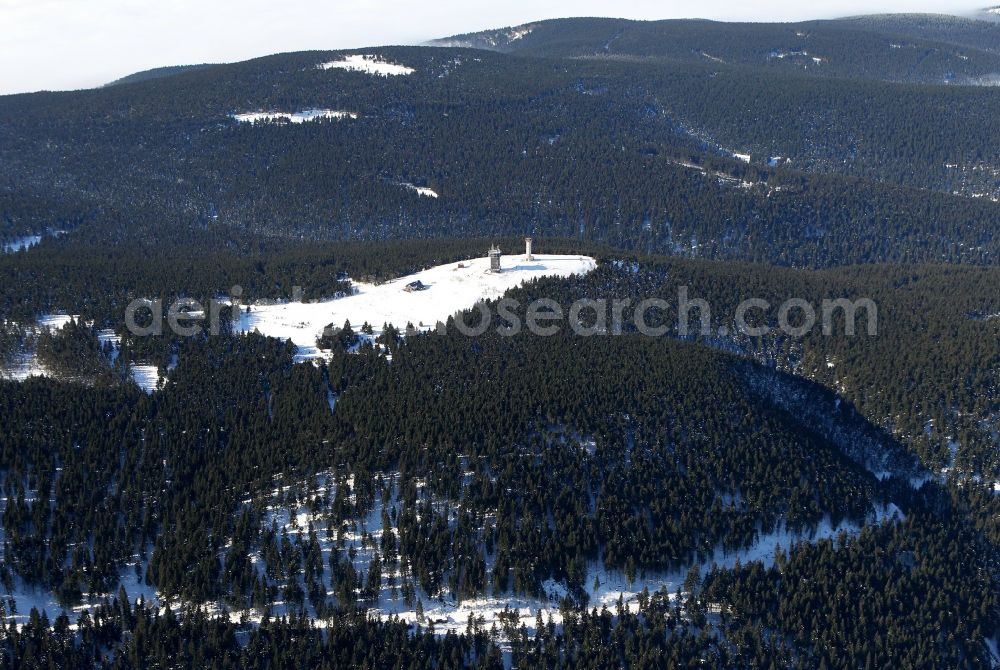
(743, 157)
(22, 598)
(28, 365)
(25, 242)
(449, 289)
(520, 32)
(26, 597)
(494, 40)
(294, 117)
(420, 190)
(368, 63)
(108, 336)
(146, 376)
(781, 54)
(55, 321)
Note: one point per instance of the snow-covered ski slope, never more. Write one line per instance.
(449, 289)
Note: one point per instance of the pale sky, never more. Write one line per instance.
(67, 44)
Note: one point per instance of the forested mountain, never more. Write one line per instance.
(406, 495)
(915, 48)
(977, 32)
(495, 466)
(154, 73)
(928, 375)
(989, 14)
(645, 153)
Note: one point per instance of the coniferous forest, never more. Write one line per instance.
(395, 495)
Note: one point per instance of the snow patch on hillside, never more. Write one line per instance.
(991, 643)
(27, 365)
(28, 241)
(26, 597)
(420, 190)
(518, 33)
(20, 598)
(369, 64)
(496, 39)
(992, 79)
(55, 321)
(146, 376)
(450, 288)
(612, 586)
(19, 243)
(294, 117)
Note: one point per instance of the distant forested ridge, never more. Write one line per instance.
(931, 49)
(155, 73)
(632, 149)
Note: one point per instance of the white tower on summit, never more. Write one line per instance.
(527, 249)
(494, 254)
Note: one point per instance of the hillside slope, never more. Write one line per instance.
(638, 154)
(910, 48)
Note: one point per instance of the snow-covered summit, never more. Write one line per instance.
(449, 289)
